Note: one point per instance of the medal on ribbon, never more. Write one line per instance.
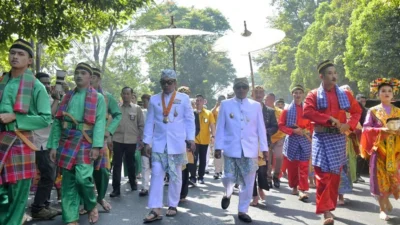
(167, 109)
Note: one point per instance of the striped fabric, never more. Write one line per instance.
(90, 105)
(25, 90)
(322, 100)
(17, 160)
(74, 149)
(329, 151)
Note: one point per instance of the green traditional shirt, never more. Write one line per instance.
(76, 107)
(115, 113)
(39, 114)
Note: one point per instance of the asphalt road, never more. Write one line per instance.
(203, 208)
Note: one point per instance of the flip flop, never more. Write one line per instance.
(303, 197)
(173, 209)
(82, 212)
(93, 216)
(155, 217)
(106, 206)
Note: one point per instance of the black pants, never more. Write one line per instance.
(119, 151)
(185, 182)
(199, 154)
(47, 170)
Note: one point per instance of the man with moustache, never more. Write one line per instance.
(24, 107)
(241, 134)
(297, 146)
(77, 135)
(326, 106)
(169, 126)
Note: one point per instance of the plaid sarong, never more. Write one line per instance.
(17, 160)
(74, 149)
(24, 95)
(322, 100)
(90, 105)
(104, 158)
(329, 151)
(291, 118)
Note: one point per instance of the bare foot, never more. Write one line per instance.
(93, 216)
(295, 191)
(384, 216)
(261, 193)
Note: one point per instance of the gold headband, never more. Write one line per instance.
(324, 64)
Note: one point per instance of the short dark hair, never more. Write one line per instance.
(124, 88)
(271, 94)
(360, 96)
(145, 96)
(199, 95)
(42, 75)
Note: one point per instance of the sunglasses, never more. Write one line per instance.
(244, 87)
(169, 82)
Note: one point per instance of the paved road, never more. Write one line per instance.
(203, 208)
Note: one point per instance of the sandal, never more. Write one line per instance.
(26, 218)
(384, 216)
(155, 217)
(106, 206)
(93, 216)
(174, 211)
(82, 212)
(303, 196)
(329, 221)
(143, 193)
(255, 204)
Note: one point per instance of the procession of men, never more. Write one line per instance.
(85, 136)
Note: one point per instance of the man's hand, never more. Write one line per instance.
(265, 155)
(217, 153)
(335, 122)
(192, 145)
(6, 118)
(56, 95)
(146, 150)
(298, 131)
(53, 154)
(94, 153)
(106, 135)
(212, 140)
(344, 128)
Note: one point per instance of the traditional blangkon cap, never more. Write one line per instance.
(96, 72)
(241, 80)
(41, 75)
(168, 74)
(324, 64)
(184, 89)
(84, 66)
(297, 87)
(24, 45)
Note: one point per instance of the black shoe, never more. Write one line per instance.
(359, 180)
(270, 185)
(216, 176)
(143, 193)
(236, 186)
(225, 202)
(277, 182)
(201, 181)
(245, 218)
(115, 194)
(134, 187)
(207, 172)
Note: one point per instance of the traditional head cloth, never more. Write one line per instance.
(241, 80)
(281, 100)
(259, 88)
(24, 45)
(324, 64)
(184, 89)
(84, 66)
(378, 83)
(168, 74)
(297, 87)
(96, 72)
(42, 75)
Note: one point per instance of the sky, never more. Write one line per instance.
(254, 12)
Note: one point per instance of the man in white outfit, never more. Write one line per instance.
(169, 123)
(240, 133)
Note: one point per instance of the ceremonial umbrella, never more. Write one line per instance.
(249, 42)
(173, 33)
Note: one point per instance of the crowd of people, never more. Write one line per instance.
(74, 138)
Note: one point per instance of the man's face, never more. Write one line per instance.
(46, 82)
(330, 76)
(145, 102)
(363, 101)
(298, 95)
(199, 102)
(95, 81)
(259, 95)
(221, 98)
(126, 95)
(19, 58)
(241, 90)
(269, 100)
(82, 78)
(280, 105)
(168, 85)
(134, 100)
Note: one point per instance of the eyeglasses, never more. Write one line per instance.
(169, 82)
(244, 87)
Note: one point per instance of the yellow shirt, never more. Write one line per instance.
(278, 135)
(206, 118)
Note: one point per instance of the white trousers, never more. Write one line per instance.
(146, 171)
(157, 187)
(245, 193)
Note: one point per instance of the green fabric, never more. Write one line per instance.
(352, 156)
(13, 199)
(39, 114)
(137, 162)
(114, 111)
(101, 177)
(76, 108)
(77, 184)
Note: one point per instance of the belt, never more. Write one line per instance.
(329, 130)
(7, 127)
(79, 126)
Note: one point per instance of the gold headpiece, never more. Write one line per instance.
(374, 85)
(184, 89)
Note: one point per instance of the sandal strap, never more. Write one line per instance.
(173, 208)
(152, 212)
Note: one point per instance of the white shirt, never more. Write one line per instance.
(40, 137)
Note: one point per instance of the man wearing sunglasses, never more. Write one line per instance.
(240, 133)
(169, 126)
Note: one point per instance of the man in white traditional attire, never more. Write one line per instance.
(240, 133)
(169, 123)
